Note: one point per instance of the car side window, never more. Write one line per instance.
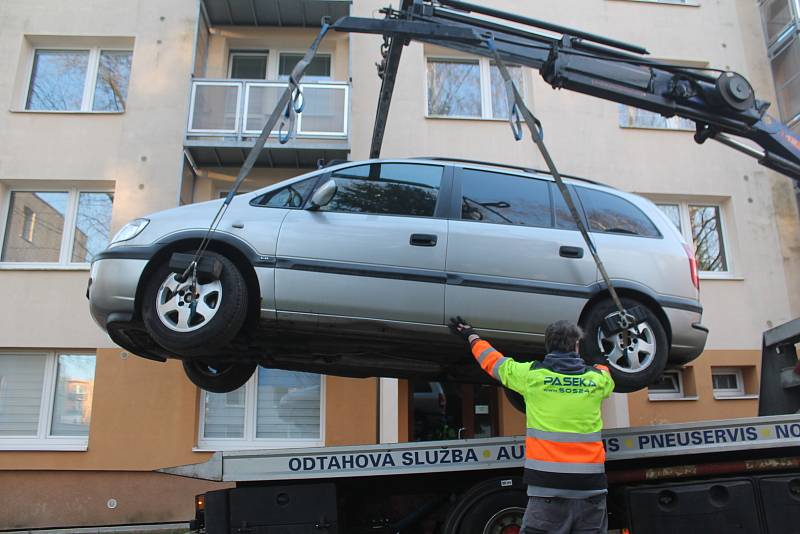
(494, 197)
(610, 213)
(387, 189)
(290, 196)
(564, 219)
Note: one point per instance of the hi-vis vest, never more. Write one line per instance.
(563, 447)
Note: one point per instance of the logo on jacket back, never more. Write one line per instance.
(570, 381)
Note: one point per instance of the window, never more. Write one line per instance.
(631, 117)
(45, 400)
(62, 227)
(702, 225)
(504, 199)
(781, 22)
(469, 88)
(669, 386)
(387, 189)
(290, 196)
(727, 382)
(612, 214)
(79, 80)
(248, 65)
(318, 69)
(275, 408)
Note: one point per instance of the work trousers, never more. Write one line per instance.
(555, 515)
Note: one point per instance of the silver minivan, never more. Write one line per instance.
(355, 270)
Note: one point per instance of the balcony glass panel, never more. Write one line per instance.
(786, 70)
(215, 107)
(777, 16)
(325, 111)
(261, 101)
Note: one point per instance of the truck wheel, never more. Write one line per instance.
(495, 506)
(218, 377)
(635, 365)
(220, 308)
(515, 399)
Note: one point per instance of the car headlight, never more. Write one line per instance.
(130, 230)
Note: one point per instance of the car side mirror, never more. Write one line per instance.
(323, 195)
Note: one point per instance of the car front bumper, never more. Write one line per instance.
(112, 288)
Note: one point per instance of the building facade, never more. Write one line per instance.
(117, 109)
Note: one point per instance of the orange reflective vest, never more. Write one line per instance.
(564, 452)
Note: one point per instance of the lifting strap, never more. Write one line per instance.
(516, 106)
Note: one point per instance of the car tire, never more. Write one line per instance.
(221, 309)
(494, 506)
(633, 367)
(515, 399)
(222, 377)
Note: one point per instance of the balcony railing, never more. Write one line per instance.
(240, 108)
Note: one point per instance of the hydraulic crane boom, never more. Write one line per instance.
(721, 103)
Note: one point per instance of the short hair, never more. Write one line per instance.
(561, 336)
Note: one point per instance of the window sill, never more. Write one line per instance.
(44, 445)
(663, 3)
(249, 446)
(64, 112)
(721, 276)
(717, 396)
(477, 119)
(655, 128)
(671, 399)
(43, 267)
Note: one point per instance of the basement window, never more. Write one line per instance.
(727, 381)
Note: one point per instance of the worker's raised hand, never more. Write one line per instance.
(460, 327)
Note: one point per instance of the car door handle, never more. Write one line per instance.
(423, 240)
(570, 252)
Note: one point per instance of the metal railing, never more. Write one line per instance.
(240, 108)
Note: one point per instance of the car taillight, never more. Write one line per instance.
(692, 265)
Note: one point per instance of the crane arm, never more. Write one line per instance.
(722, 104)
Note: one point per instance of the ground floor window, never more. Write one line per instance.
(448, 410)
(45, 400)
(275, 408)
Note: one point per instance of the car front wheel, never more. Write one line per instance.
(218, 377)
(635, 362)
(185, 319)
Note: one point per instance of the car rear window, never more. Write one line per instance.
(504, 199)
(613, 214)
(290, 196)
(387, 189)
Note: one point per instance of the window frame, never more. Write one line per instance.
(728, 393)
(686, 232)
(249, 441)
(89, 81)
(67, 237)
(485, 74)
(248, 53)
(43, 441)
(680, 394)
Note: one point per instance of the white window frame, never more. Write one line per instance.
(43, 441)
(485, 70)
(276, 75)
(67, 237)
(728, 392)
(686, 231)
(670, 395)
(89, 82)
(249, 439)
(248, 53)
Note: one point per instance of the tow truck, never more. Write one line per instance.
(739, 475)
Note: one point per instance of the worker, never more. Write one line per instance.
(564, 455)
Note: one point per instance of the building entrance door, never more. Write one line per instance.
(448, 410)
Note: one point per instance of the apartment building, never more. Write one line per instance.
(111, 110)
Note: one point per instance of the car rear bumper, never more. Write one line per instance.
(688, 335)
(112, 288)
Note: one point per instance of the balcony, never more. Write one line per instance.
(273, 12)
(226, 116)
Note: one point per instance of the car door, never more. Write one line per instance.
(376, 251)
(515, 259)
